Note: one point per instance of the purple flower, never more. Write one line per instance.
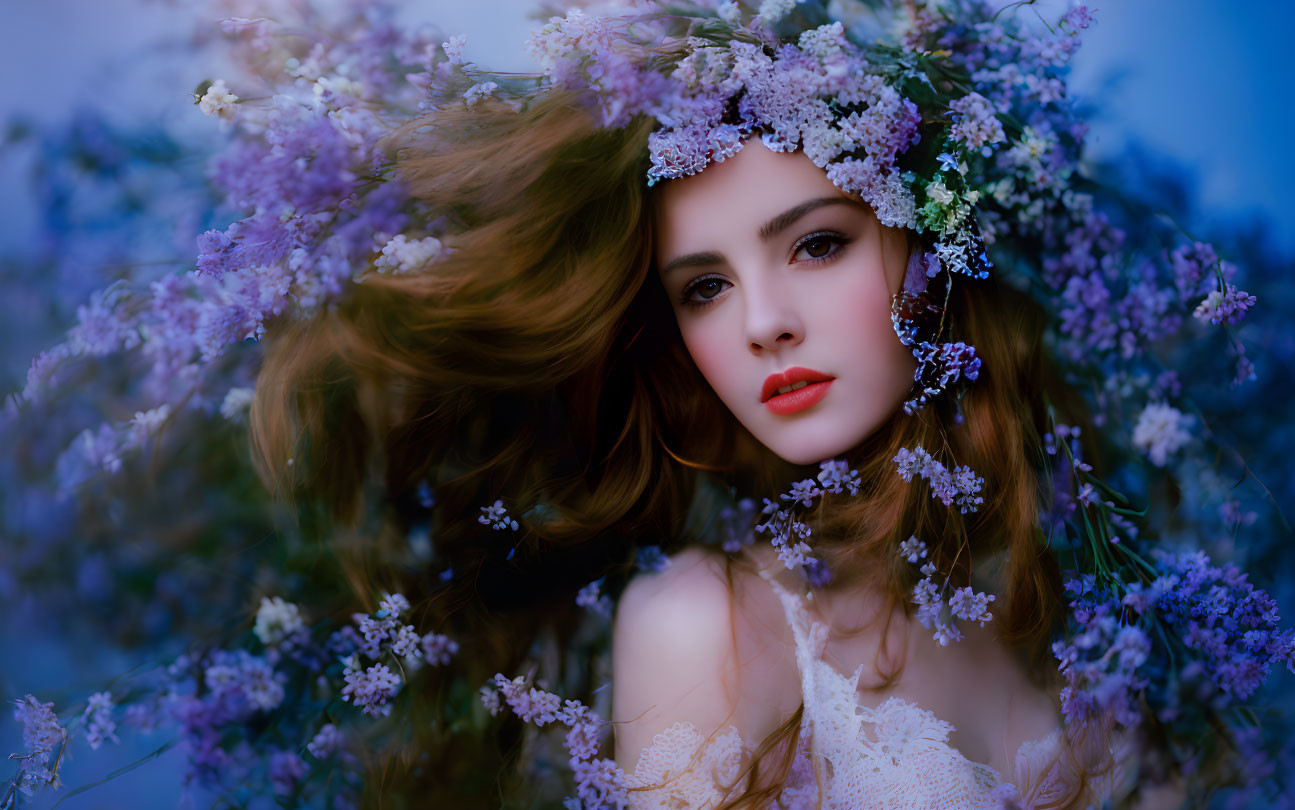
(1080, 17)
(592, 599)
(837, 477)
(371, 689)
(326, 742)
(1226, 307)
(912, 549)
(600, 783)
(582, 741)
(496, 517)
(97, 720)
(651, 559)
(438, 650)
(530, 704)
(41, 734)
(959, 487)
(974, 122)
(286, 769)
(1190, 265)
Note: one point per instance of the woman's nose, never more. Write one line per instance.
(772, 319)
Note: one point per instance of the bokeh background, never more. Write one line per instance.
(1194, 100)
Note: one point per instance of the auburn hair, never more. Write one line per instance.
(527, 363)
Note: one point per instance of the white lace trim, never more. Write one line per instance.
(683, 770)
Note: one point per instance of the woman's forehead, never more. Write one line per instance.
(747, 192)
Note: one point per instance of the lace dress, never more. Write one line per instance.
(893, 756)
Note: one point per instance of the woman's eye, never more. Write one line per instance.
(704, 290)
(819, 246)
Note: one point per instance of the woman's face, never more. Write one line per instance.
(779, 279)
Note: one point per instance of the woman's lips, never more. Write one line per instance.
(798, 400)
(814, 385)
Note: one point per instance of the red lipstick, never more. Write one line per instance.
(807, 388)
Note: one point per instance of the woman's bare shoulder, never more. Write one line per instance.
(681, 614)
(684, 652)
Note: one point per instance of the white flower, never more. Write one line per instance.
(147, 423)
(454, 49)
(479, 91)
(1161, 429)
(773, 10)
(729, 12)
(330, 88)
(938, 193)
(403, 255)
(236, 402)
(218, 101)
(276, 620)
(1208, 308)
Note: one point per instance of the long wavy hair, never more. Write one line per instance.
(528, 364)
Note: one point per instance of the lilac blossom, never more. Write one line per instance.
(277, 621)
(912, 549)
(438, 650)
(974, 122)
(97, 720)
(837, 477)
(286, 770)
(528, 703)
(326, 742)
(41, 734)
(592, 599)
(936, 611)
(496, 517)
(1161, 429)
(735, 525)
(651, 559)
(958, 487)
(600, 783)
(218, 101)
(1224, 307)
(371, 689)
(407, 643)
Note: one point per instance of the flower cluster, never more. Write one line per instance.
(592, 599)
(1194, 635)
(316, 206)
(1160, 430)
(787, 532)
(97, 720)
(959, 486)
(937, 611)
(600, 782)
(42, 734)
(221, 699)
(496, 517)
(1101, 659)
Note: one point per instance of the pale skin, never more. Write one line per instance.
(797, 274)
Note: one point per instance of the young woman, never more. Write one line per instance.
(779, 278)
(711, 260)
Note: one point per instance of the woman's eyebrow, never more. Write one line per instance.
(768, 230)
(787, 218)
(705, 259)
